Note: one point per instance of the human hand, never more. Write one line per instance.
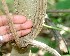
(22, 25)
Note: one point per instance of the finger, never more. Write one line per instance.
(5, 29)
(19, 19)
(27, 24)
(16, 19)
(9, 37)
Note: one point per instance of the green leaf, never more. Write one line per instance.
(34, 49)
(65, 4)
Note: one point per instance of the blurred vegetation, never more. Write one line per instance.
(57, 18)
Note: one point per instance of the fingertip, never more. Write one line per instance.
(19, 19)
(24, 32)
(28, 24)
(30, 21)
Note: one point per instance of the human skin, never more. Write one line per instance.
(21, 24)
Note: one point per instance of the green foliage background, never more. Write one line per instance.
(60, 18)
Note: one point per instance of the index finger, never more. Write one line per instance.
(17, 19)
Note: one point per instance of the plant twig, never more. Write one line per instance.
(59, 11)
(55, 28)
